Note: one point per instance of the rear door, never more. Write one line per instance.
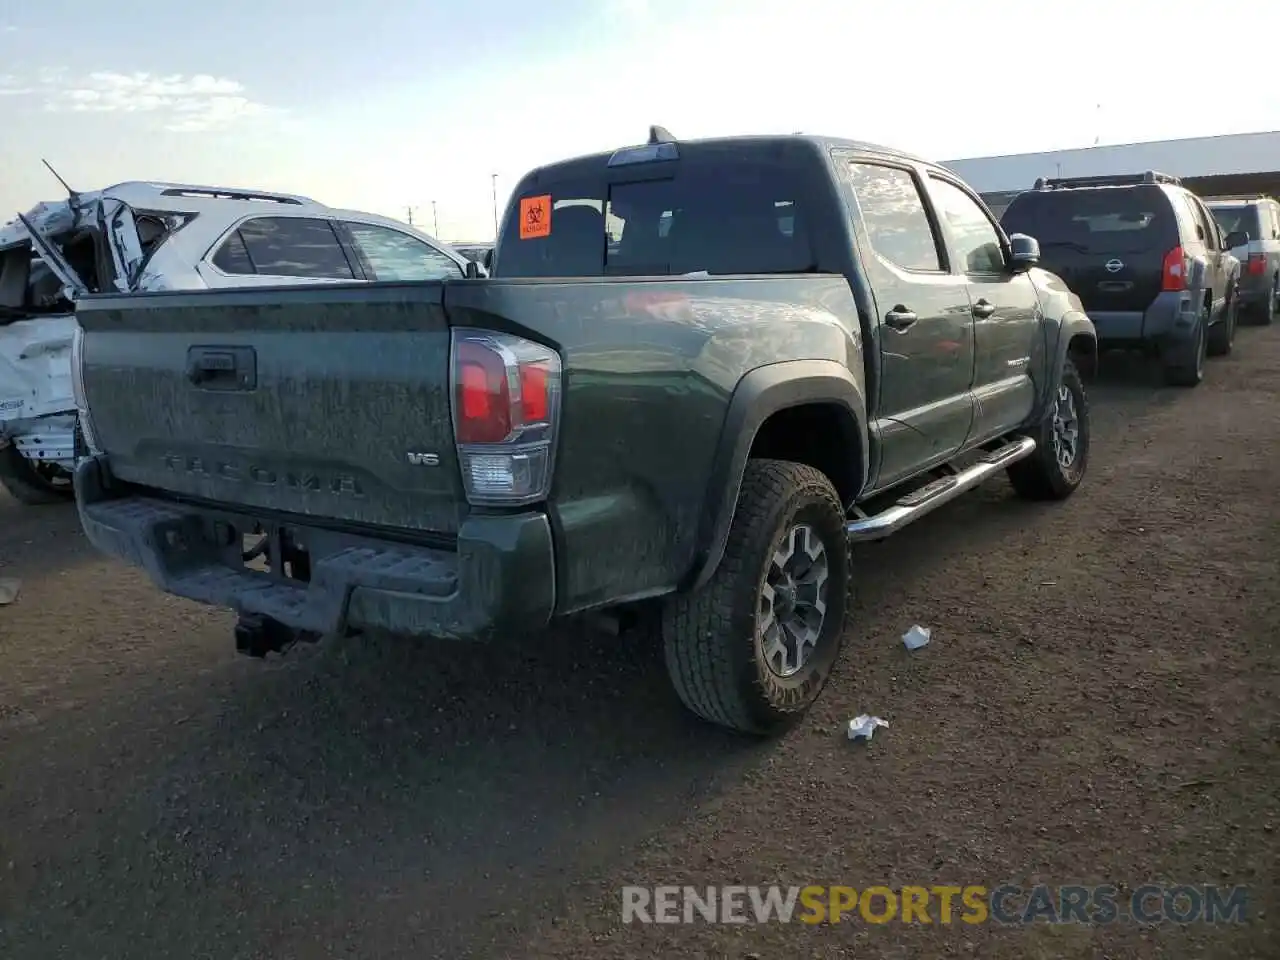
(925, 408)
(301, 400)
(1217, 261)
(1107, 243)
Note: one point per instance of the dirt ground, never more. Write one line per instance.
(1098, 705)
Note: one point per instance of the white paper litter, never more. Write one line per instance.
(864, 725)
(917, 637)
(9, 587)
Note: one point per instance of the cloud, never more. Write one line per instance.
(633, 9)
(181, 103)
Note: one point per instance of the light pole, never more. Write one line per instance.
(435, 221)
(495, 207)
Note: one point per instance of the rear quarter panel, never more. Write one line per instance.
(650, 369)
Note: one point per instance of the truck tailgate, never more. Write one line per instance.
(219, 395)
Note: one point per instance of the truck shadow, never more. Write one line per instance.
(390, 792)
(38, 541)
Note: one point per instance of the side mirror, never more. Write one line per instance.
(1236, 238)
(475, 271)
(1024, 252)
(488, 260)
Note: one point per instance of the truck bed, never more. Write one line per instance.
(327, 410)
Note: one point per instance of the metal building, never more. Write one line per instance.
(1244, 163)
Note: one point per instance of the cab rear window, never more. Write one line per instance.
(737, 218)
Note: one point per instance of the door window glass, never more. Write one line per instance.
(977, 242)
(893, 213)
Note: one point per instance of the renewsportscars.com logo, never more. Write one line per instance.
(942, 904)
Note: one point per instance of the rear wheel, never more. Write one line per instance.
(33, 484)
(1223, 337)
(754, 647)
(1184, 363)
(1062, 446)
(1271, 306)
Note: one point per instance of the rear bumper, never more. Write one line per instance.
(1171, 317)
(501, 577)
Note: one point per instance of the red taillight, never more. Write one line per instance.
(484, 397)
(506, 394)
(1175, 270)
(534, 392)
(1256, 265)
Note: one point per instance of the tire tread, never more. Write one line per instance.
(700, 628)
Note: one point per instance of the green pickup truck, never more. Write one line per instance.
(699, 371)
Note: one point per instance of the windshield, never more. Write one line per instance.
(1092, 221)
(736, 217)
(1238, 217)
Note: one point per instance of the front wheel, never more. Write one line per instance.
(1062, 444)
(33, 484)
(1184, 363)
(1223, 337)
(1268, 309)
(754, 647)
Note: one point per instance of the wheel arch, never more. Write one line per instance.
(805, 411)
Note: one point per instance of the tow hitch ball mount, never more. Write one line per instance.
(256, 636)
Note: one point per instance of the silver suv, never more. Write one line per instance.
(1259, 218)
(140, 237)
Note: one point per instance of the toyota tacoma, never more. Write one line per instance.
(699, 372)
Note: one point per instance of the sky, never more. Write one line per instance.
(392, 105)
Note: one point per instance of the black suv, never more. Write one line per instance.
(1145, 257)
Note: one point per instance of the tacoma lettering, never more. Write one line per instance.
(264, 476)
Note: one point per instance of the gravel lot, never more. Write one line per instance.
(1099, 705)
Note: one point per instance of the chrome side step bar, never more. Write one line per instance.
(943, 490)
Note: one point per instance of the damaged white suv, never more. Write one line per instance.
(136, 237)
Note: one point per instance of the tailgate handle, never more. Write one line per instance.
(223, 368)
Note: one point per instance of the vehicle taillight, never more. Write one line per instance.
(1256, 265)
(1175, 270)
(506, 404)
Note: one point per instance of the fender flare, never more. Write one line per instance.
(759, 395)
(1074, 323)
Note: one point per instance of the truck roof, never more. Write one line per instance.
(820, 143)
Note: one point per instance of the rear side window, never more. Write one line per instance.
(1105, 220)
(894, 215)
(722, 218)
(285, 247)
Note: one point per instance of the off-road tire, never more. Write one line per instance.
(24, 482)
(1041, 476)
(1266, 312)
(711, 637)
(1185, 366)
(1223, 336)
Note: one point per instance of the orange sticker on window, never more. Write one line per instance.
(535, 217)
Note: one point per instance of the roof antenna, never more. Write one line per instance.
(72, 195)
(660, 135)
